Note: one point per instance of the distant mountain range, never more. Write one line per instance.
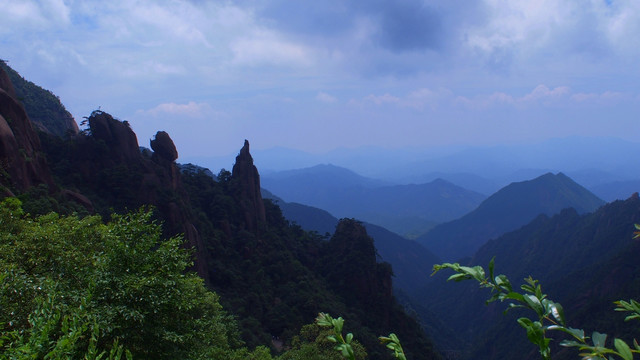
(585, 262)
(508, 209)
(409, 210)
(590, 161)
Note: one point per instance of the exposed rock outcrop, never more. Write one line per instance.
(46, 112)
(109, 168)
(6, 85)
(165, 154)
(116, 135)
(21, 162)
(164, 147)
(246, 182)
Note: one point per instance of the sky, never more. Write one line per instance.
(320, 75)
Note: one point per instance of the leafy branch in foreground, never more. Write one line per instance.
(344, 343)
(549, 314)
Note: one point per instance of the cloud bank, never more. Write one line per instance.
(408, 72)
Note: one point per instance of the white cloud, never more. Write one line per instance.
(417, 99)
(190, 109)
(326, 98)
(18, 15)
(266, 48)
(383, 99)
(541, 95)
(542, 92)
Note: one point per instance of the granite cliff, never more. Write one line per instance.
(22, 164)
(246, 181)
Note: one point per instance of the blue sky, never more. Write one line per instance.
(317, 75)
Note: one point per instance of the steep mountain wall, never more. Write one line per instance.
(21, 162)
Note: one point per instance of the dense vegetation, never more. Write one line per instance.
(277, 282)
(78, 288)
(274, 278)
(74, 286)
(43, 107)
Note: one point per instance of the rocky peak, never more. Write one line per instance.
(246, 181)
(117, 135)
(163, 147)
(165, 155)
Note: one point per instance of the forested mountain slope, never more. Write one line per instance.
(411, 262)
(585, 262)
(508, 209)
(408, 210)
(44, 108)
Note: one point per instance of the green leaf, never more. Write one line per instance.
(504, 283)
(458, 277)
(599, 339)
(623, 349)
(576, 333)
(558, 312)
(570, 343)
(491, 265)
(476, 272)
(515, 296)
(534, 304)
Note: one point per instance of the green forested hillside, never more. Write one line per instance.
(44, 108)
(585, 262)
(77, 288)
(271, 280)
(508, 209)
(411, 262)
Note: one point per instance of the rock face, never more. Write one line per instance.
(165, 154)
(21, 165)
(6, 85)
(164, 147)
(109, 168)
(116, 135)
(246, 182)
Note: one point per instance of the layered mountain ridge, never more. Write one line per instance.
(409, 210)
(508, 209)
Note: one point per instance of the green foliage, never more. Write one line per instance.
(549, 315)
(346, 344)
(313, 343)
(343, 343)
(393, 343)
(78, 288)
